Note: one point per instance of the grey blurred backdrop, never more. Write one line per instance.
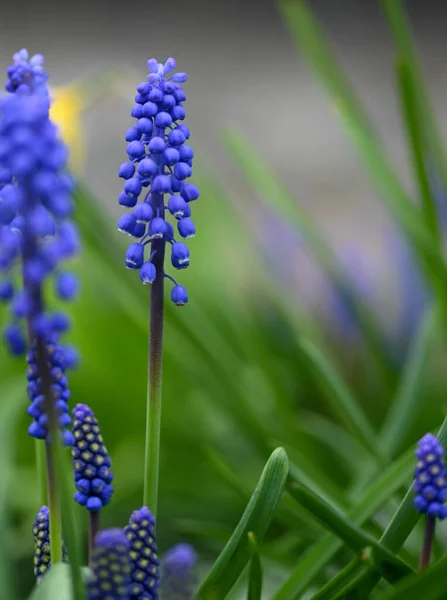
(243, 70)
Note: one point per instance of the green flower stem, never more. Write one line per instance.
(430, 524)
(153, 414)
(93, 528)
(41, 472)
(53, 491)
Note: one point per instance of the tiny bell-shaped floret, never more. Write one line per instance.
(180, 255)
(186, 228)
(430, 478)
(179, 295)
(144, 561)
(148, 273)
(178, 579)
(91, 461)
(109, 577)
(134, 256)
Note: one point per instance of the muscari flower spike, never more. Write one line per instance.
(430, 478)
(42, 552)
(109, 567)
(160, 162)
(26, 71)
(57, 363)
(144, 561)
(35, 205)
(178, 579)
(91, 461)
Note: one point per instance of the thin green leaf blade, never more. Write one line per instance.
(57, 584)
(255, 575)
(256, 518)
(430, 585)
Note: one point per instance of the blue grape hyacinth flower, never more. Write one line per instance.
(145, 571)
(91, 461)
(26, 72)
(56, 366)
(178, 579)
(430, 478)
(159, 163)
(42, 552)
(36, 233)
(109, 567)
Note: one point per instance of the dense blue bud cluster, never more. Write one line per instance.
(430, 478)
(144, 561)
(57, 365)
(160, 161)
(109, 567)
(26, 73)
(178, 573)
(91, 461)
(35, 205)
(42, 553)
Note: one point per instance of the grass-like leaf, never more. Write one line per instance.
(255, 574)
(430, 585)
(256, 519)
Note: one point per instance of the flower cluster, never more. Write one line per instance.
(42, 553)
(109, 567)
(57, 363)
(159, 163)
(91, 461)
(178, 579)
(143, 555)
(35, 203)
(430, 478)
(26, 72)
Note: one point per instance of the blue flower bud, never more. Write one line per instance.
(430, 478)
(171, 156)
(109, 567)
(186, 228)
(15, 339)
(182, 171)
(143, 555)
(143, 212)
(161, 184)
(147, 167)
(133, 186)
(178, 113)
(139, 230)
(135, 149)
(145, 125)
(180, 254)
(127, 223)
(177, 206)
(156, 145)
(178, 579)
(150, 109)
(148, 273)
(168, 101)
(126, 170)
(6, 290)
(137, 111)
(190, 192)
(179, 295)
(155, 95)
(134, 256)
(132, 134)
(186, 153)
(126, 200)
(67, 286)
(176, 137)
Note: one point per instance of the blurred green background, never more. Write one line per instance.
(240, 377)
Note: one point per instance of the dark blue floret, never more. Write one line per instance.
(159, 163)
(56, 363)
(91, 461)
(178, 573)
(109, 567)
(144, 561)
(35, 201)
(42, 553)
(430, 478)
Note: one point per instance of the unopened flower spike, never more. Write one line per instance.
(431, 489)
(42, 551)
(91, 466)
(109, 567)
(160, 162)
(178, 579)
(144, 561)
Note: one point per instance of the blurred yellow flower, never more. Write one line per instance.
(68, 105)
